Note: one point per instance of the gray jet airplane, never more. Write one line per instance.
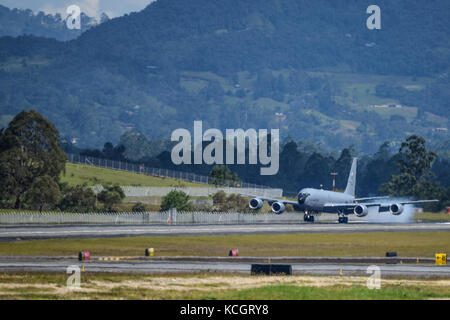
(312, 201)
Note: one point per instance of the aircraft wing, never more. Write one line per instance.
(332, 207)
(400, 202)
(418, 202)
(385, 206)
(270, 200)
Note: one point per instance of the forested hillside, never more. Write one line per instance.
(310, 68)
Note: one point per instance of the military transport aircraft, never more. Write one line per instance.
(312, 201)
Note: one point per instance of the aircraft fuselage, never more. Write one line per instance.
(315, 199)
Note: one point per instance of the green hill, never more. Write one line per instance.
(78, 174)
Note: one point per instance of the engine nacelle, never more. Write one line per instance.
(396, 209)
(255, 204)
(361, 210)
(278, 207)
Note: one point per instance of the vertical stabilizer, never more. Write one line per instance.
(351, 184)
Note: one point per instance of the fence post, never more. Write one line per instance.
(173, 215)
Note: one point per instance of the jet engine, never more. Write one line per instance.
(396, 209)
(278, 207)
(255, 204)
(361, 210)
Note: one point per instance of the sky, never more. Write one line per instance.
(93, 8)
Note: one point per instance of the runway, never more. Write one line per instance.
(11, 233)
(420, 271)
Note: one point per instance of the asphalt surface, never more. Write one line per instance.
(226, 259)
(421, 271)
(11, 233)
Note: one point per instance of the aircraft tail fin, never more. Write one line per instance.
(351, 184)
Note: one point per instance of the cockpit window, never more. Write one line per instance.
(302, 197)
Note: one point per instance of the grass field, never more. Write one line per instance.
(215, 286)
(359, 89)
(407, 244)
(432, 216)
(77, 174)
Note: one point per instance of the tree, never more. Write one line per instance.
(139, 207)
(78, 198)
(176, 199)
(214, 91)
(376, 171)
(114, 153)
(401, 185)
(221, 175)
(292, 162)
(317, 171)
(44, 192)
(136, 145)
(418, 160)
(111, 196)
(415, 164)
(232, 202)
(431, 190)
(29, 148)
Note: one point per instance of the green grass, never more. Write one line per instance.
(348, 81)
(358, 91)
(194, 82)
(193, 86)
(270, 104)
(77, 174)
(213, 287)
(408, 244)
(409, 113)
(289, 292)
(432, 216)
(15, 64)
(285, 292)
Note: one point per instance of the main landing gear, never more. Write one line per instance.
(308, 217)
(342, 219)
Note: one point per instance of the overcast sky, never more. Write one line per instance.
(113, 8)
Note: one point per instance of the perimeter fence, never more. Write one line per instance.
(145, 218)
(157, 172)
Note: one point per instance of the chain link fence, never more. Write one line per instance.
(143, 192)
(144, 218)
(157, 172)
